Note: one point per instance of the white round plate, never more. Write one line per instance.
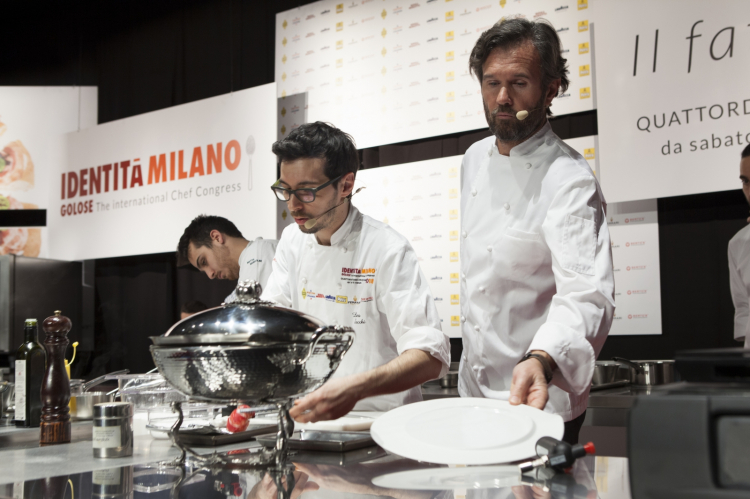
(465, 477)
(465, 430)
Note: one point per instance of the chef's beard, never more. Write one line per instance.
(514, 130)
(225, 261)
(323, 222)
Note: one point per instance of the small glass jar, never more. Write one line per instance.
(113, 429)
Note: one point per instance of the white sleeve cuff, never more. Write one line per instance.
(573, 354)
(430, 340)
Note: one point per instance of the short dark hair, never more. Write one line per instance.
(193, 307)
(746, 151)
(320, 140)
(199, 233)
(509, 33)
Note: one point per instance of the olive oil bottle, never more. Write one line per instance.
(31, 361)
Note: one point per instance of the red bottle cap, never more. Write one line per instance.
(589, 448)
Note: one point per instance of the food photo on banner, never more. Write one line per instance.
(152, 174)
(33, 121)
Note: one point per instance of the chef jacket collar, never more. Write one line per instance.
(533, 143)
(338, 237)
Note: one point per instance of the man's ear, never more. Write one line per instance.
(217, 236)
(552, 90)
(348, 184)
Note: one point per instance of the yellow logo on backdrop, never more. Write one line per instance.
(304, 293)
(385, 220)
(453, 172)
(583, 48)
(450, 96)
(339, 44)
(383, 33)
(284, 214)
(453, 256)
(283, 42)
(383, 14)
(454, 278)
(454, 299)
(449, 16)
(449, 56)
(383, 52)
(339, 8)
(455, 320)
(283, 112)
(383, 71)
(452, 194)
(589, 153)
(339, 81)
(583, 26)
(451, 117)
(285, 24)
(283, 59)
(583, 4)
(339, 63)
(502, 3)
(283, 77)
(341, 299)
(452, 214)
(450, 76)
(283, 94)
(584, 70)
(283, 129)
(383, 90)
(453, 235)
(340, 26)
(585, 92)
(448, 36)
(385, 201)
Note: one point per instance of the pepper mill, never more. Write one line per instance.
(55, 426)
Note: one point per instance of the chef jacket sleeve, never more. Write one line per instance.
(403, 296)
(266, 254)
(278, 287)
(739, 298)
(580, 315)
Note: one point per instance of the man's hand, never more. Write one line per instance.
(529, 385)
(331, 401)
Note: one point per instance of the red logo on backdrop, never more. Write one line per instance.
(628, 291)
(627, 268)
(627, 244)
(627, 220)
(630, 316)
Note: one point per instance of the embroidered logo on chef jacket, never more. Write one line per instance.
(358, 276)
(304, 293)
(330, 298)
(341, 299)
(368, 299)
(358, 319)
(253, 261)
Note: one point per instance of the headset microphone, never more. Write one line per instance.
(314, 221)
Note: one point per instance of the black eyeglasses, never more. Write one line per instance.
(306, 195)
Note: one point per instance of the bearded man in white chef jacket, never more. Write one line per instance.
(739, 263)
(345, 268)
(536, 262)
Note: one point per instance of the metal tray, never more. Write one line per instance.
(355, 456)
(335, 441)
(212, 437)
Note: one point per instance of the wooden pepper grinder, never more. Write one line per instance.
(55, 426)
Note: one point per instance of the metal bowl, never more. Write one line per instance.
(249, 350)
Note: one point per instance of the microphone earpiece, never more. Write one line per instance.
(314, 221)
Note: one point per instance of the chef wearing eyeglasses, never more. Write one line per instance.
(345, 268)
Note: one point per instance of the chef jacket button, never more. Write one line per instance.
(481, 289)
(476, 328)
(463, 319)
(489, 151)
(528, 166)
(344, 249)
(476, 368)
(304, 281)
(489, 248)
(506, 206)
(464, 234)
(339, 285)
(465, 358)
(473, 192)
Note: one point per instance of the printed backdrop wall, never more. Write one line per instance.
(673, 99)
(131, 187)
(33, 121)
(388, 71)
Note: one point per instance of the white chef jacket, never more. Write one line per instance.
(256, 262)
(536, 268)
(369, 279)
(739, 283)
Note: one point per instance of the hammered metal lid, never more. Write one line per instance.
(245, 318)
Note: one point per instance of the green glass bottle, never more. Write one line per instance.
(31, 362)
